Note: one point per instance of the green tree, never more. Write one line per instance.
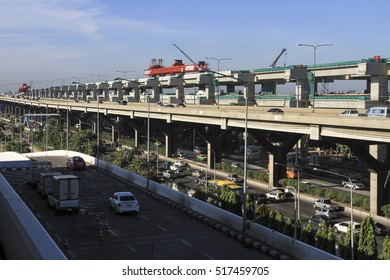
(385, 249)
(308, 235)
(321, 237)
(367, 246)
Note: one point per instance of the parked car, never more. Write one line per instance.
(319, 219)
(328, 212)
(76, 162)
(124, 202)
(343, 227)
(275, 110)
(166, 164)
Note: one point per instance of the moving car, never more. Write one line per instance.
(76, 162)
(351, 113)
(319, 219)
(276, 195)
(124, 202)
(380, 229)
(201, 157)
(328, 212)
(343, 227)
(234, 178)
(275, 110)
(237, 165)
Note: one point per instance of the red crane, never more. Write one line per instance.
(24, 88)
(157, 68)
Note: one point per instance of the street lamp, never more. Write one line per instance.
(124, 72)
(299, 175)
(350, 182)
(218, 60)
(245, 186)
(295, 210)
(98, 76)
(314, 65)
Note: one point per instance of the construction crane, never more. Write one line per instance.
(277, 58)
(157, 68)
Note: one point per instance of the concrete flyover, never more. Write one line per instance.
(375, 71)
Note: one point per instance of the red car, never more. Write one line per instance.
(76, 162)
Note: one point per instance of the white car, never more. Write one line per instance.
(276, 195)
(343, 227)
(329, 212)
(124, 202)
(351, 112)
(181, 163)
(234, 178)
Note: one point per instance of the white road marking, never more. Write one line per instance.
(185, 242)
(207, 256)
(162, 228)
(131, 248)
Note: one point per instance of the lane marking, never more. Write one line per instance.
(208, 256)
(131, 248)
(185, 242)
(162, 228)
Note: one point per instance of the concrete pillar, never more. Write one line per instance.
(179, 90)
(302, 90)
(230, 88)
(379, 88)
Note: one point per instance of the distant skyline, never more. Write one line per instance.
(54, 42)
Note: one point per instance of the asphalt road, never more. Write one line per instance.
(157, 232)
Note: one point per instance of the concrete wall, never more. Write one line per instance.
(231, 221)
(21, 235)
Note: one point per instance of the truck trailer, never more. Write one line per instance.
(65, 195)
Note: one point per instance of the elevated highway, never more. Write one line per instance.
(367, 137)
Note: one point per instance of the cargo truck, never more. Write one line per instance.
(65, 195)
(35, 169)
(45, 184)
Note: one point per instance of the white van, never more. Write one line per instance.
(383, 112)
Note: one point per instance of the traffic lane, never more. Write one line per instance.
(158, 231)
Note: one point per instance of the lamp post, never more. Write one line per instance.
(147, 144)
(299, 176)
(124, 72)
(314, 64)
(350, 182)
(245, 186)
(295, 210)
(218, 60)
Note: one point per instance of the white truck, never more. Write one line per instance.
(65, 195)
(35, 169)
(354, 184)
(325, 203)
(45, 183)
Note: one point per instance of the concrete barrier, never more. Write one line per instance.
(22, 236)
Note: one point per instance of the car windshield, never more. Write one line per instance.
(127, 198)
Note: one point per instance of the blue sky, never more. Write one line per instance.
(48, 40)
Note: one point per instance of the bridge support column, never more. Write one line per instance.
(230, 88)
(179, 90)
(379, 88)
(302, 90)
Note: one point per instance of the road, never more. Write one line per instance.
(157, 232)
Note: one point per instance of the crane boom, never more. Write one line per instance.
(277, 58)
(184, 53)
